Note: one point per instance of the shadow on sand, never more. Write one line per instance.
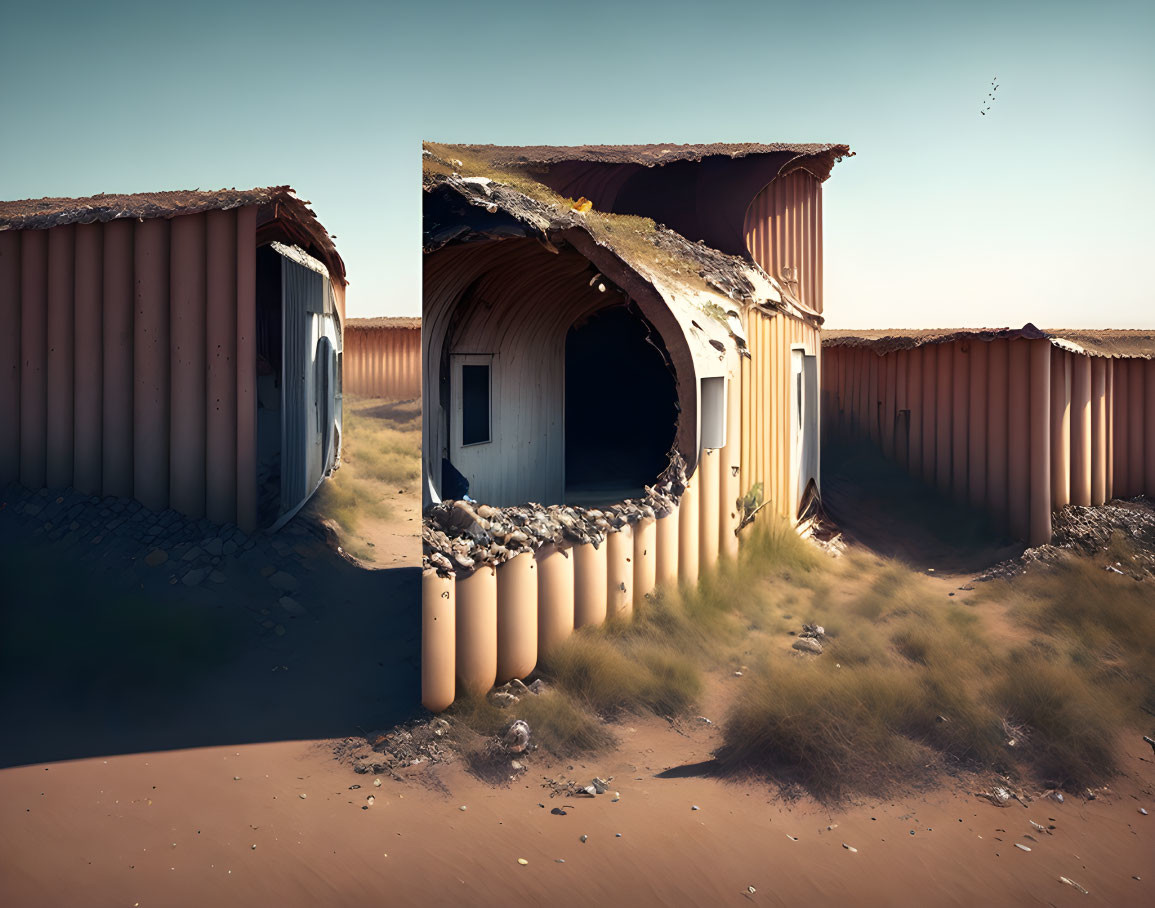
(875, 503)
(109, 655)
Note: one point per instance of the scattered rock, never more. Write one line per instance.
(283, 581)
(516, 738)
(807, 645)
(292, 606)
(156, 557)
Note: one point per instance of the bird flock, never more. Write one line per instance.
(991, 97)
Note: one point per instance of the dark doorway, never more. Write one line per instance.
(620, 406)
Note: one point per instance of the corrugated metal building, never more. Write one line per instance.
(567, 348)
(182, 348)
(1015, 422)
(383, 357)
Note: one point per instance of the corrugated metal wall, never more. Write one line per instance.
(129, 361)
(1015, 427)
(783, 228)
(766, 455)
(382, 362)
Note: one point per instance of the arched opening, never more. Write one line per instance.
(621, 406)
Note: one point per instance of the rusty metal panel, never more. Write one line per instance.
(117, 360)
(88, 373)
(186, 361)
(60, 363)
(783, 230)
(33, 356)
(998, 460)
(10, 356)
(383, 361)
(221, 367)
(247, 369)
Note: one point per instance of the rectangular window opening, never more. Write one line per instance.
(475, 427)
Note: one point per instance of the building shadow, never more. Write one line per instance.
(878, 505)
(108, 654)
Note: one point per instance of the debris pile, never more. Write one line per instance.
(1090, 531)
(463, 535)
(422, 741)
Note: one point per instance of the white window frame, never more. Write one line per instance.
(457, 360)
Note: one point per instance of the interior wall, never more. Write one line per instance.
(515, 300)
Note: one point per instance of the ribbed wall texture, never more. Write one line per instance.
(1016, 427)
(767, 450)
(783, 229)
(128, 361)
(382, 362)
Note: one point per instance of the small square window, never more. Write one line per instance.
(475, 422)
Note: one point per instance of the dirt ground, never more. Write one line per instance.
(192, 760)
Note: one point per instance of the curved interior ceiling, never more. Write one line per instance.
(514, 299)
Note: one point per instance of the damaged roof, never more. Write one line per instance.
(671, 263)
(275, 203)
(825, 154)
(1111, 342)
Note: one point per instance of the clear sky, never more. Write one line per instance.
(1043, 210)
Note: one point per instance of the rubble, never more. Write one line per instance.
(1090, 531)
(462, 535)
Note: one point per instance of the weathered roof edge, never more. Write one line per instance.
(731, 278)
(274, 202)
(822, 156)
(1105, 343)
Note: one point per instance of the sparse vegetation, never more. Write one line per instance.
(380, 456)
(911, 683)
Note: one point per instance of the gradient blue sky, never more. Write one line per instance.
(1041, 211)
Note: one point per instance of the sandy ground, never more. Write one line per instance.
(182, 785)
(228, 826)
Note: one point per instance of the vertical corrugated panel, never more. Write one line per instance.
(960, 419)
(944, 421)
(889, 373)
(10, 356)
(1039, 531)
(1082, 440)
(1121, 423)
(186, 362)
(998, 366)
(1109, 409)
(221, 367)
(1135, 393)
(151, 365)
(33, 337)
(117, 342)
(930, 356)
(383, 362)
(1149, 427)
(915, 391)
(783, 230)
(1060, 428)
(1099, 422)
(299, 286)
(1019, 437)
(977, 430)
(88, 372)
(247, 369)
(60, 362)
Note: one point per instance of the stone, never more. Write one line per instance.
(193, 577)
(192, 554)
(292, 606)
(228, 547)
(156, 557)
(284, 581)
(217, 577)
(807, 645)
(214, 546)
